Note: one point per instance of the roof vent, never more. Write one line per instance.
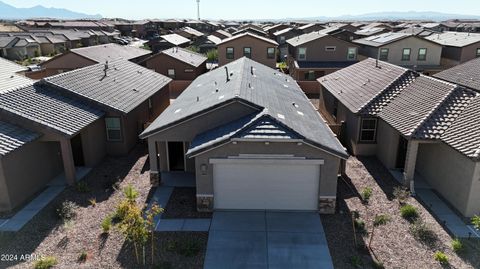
(226, 72)
(294, 104)
(198, 98)
(281, 116)
(251, 70)
(135, 90)
(105, 68)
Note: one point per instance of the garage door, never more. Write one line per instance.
(266, 184)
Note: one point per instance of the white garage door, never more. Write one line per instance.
(266, 184)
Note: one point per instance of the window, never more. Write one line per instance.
(368, 130)
(302, 53)
(406, 54)
(383, 54)
(171, 73)
(309, 75)
(422, 54)
(478, 52)
(352, 54)
(188, 70)
(230, 53)
(114, 131)
(247, 52)
(270, 53)
(330, 48)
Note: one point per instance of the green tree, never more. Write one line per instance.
(212, 55)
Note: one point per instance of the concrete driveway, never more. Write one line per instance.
(257, 239)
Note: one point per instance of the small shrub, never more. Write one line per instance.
(422, 232)
(106, 224)
(130, 193)
(83, 257)
(381, 220)
(401, 194)
(45, 262)
(409, 212)
(441, 257)
(122, 210)
(355, 214)
(212, 55)
(67, 211)
(93, 202)
(359, 225)
(356, 262)
(82, 187)
(457, 245)
(476, 222)
(366, 194)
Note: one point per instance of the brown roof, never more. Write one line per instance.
(466, 74)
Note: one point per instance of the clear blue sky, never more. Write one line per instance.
(249, 9)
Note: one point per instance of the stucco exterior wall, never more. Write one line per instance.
(449, 173)
(94, 143)
(387, 144)
(161, 63)
(66, 62)
(316, 50)
(473, 207)
(258, 51)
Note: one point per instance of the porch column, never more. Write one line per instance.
(153, 157)
(410, 161)
(68, 163)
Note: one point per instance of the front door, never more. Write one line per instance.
(77, 150)
(176, 156)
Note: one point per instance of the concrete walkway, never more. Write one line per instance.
(22, 217)
(258, 239)
(439, 209)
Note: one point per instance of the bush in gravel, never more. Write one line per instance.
(67, 211)
(422, 232)
(130, 193)
(441, 257)
(82, 187)
(356, 262)
(106, 224)
(93, 202)
(83, 257)
(409, 212)
(366, 194)
(476, 222)
(381, 220)
(401, 194)
(457, 245)
(45, 262)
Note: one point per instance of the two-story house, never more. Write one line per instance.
(458, 47)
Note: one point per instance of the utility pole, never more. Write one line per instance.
(198, 9)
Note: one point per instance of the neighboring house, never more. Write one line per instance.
(275, 28)
(403, 49)
(415, 124)
(257, 48)
(208, 43)
(435, 26)
(314, 55)
(311, 27)
(342, 32)
(73, 120)
(19, 48)
(457, 47)
(252, 139)
(222, 34)
(281, 37)
(81, 57)
(12, 75)
(168, 41)
(418, 31)
(252, 30)
(190, 33)
(181, 65)
(466, 74)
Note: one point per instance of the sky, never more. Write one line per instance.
(249, 9)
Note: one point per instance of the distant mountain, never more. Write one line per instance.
(410, 15)
(8, 12)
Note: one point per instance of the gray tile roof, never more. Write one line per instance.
(381, 39)
(281, 32)
(214, 39)
(187, 56)
(111, 51)
(49, 108)
(192, 31)
(455, 39)
(305, 38)
(9, 77)
(369, 31)
(268, 40)
(267, 89)
(464, 134)
(357, 85)
(466, 74)
(13, 137)
(126, 86)
(175, 39)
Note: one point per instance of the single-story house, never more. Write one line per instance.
(458, 47)
(252, 139)
(422, 126)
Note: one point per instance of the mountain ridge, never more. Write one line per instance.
(9, 12)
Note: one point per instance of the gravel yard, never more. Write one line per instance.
(183, 205)
(46, 235)
(393, 243)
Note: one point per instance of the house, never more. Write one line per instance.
(252, 139)
(257, 48)
(222, 34)
(364, 32)
(275, 28)
(403, 49)
(314, 55)
(418, 31)
(311, 27)
(190, 33)
(282, 36)
(81, 57)
(71, 121)
(208, 43)
(435, 26)
(18, 48)
(465, 74)
(168, 41)
(458, 47)
(252, 30)
(181, 65)
(421, 127)
(12, 75)
(340, 31)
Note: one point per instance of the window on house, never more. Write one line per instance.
(247, 52)
(368, 130)
(383, 54)
(302, 53)
(406, 54)
(230, 53)
(422, 54)
(171, 73)
(478, 52)
(330, 48)
(114, 130)
(270, 53)
(188, 70)
(309, 75)
(352, 54)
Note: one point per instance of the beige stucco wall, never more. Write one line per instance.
(4, 194)
(258, 46)
(473, 207)
(451, 174)
(387, 144)
(66, 62)
(93, 143)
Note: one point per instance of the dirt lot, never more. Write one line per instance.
(393, 243)
(46, 235)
